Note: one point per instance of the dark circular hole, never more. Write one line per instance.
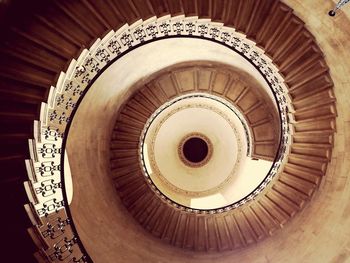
(195, 149)
(331, 13)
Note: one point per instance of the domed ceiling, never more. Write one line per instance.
(209, 124)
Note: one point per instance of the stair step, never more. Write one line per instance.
(279, 12)
(125, 170)
(201, 236)
(212, 234)
(127, 137)
(224, 241)
(135, 108)
(161, 222)
(323, 97)
(190, 232)
(269, 223)
(279, 27)
(298, 184)
(235, 234)
(131, 121)
(300, 62)
(140, 207)
(313, 138)
(121, 126)
(175, 8)
(275, 211)
(309, 75)
(151, 222)
(51, 26)
(313, 162)
(148, 211)
(293, 195)
(134, 114)
(150, 93)
(254, 223)
(160, 7)
(218, 10)
(285, 37)
(68, 13)
(318, 124)
(307, 145)
(122, 162)
(296, 46)
(312, 151)
(31, 58)
(125, 181)
(311, 175)
(116, 145)
(112, 17)
(48, 44)
(168, 234)
(231, 13)
(318, 84)
(132, 190)
(115, 154)
(139, 106)
(123, 129)
(285, 204)
(327, 110)
(244, 228)
(142, 100)
(244, 14)
(137, 207)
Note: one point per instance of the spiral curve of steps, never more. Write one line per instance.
(31, 65)
(233, 229)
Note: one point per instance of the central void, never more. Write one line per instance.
(195, 149)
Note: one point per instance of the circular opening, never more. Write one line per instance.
(195, 149)
(331, 13)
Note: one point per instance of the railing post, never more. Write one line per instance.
(339, 5)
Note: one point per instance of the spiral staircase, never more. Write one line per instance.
(56, 46)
